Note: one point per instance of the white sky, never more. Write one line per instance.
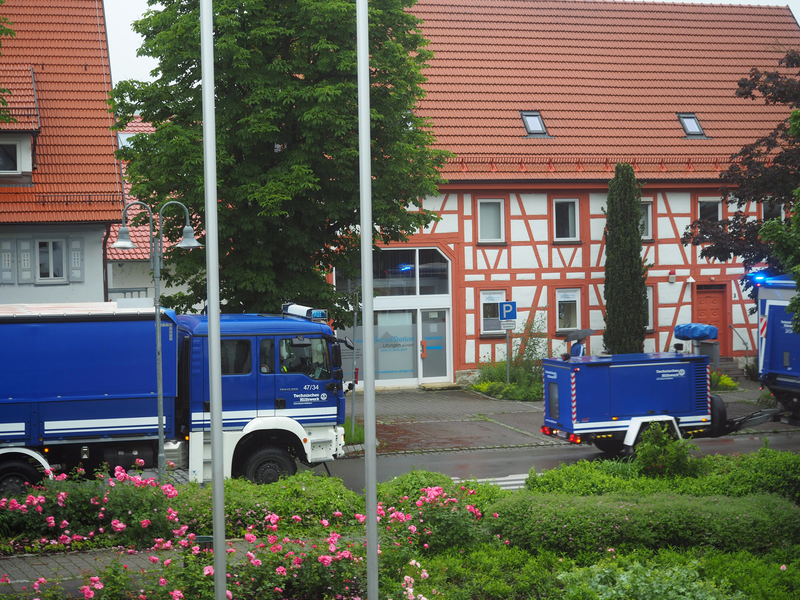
(123, 42)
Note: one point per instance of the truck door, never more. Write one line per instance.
(781, 355)
(302, 381)
(266, 377)
(239, 381)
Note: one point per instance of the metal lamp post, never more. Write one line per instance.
(156, 262)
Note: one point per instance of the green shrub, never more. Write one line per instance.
(765, 471)
(490, 572)
(658, 454)
(524, 374)
(585, 478)
(574, 525)
(610, 581)
(775, 576)
(751, 370)
(307, 495)
(720, 381)
(410, 484)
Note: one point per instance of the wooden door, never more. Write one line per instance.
(711, 309)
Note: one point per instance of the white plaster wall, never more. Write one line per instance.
(90, 290)
(534, 204)
(448, 224)
(538, 230)
(597, 202)
(669, 293)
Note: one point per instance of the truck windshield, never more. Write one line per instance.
(312, 361)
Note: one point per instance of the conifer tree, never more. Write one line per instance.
(625, 292)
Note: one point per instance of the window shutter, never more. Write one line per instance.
(75, 266)
(8, 272)
(26, 262)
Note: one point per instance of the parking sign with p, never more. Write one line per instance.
(508, 311)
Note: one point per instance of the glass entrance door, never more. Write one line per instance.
(433, 344)
(411, 346)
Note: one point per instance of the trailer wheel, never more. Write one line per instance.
(13, 476)
(267, 465)
(608, 446)
(719, 416)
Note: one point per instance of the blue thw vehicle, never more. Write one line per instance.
(778, 344)
(79, 387)
(609, 400)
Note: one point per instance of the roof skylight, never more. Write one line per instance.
(691, 125)
(534, 123)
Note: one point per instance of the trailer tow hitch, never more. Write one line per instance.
(751, 420)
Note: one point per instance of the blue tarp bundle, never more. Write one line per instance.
(695, 331)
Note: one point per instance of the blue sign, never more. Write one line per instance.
(508, 311)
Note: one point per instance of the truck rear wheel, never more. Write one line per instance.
(267, 465)
(719, 416)
(610, 446)
(13, 476)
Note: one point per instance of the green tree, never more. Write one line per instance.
(5, 30)
(625, 292)
(767, 170)
(783, 239)
(287, 141)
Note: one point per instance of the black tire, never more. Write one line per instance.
(268, 465)
(719, 416)
(14, 474)
(609, 446)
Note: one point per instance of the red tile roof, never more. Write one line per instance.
(139, 235)
(608, 78)
(61, 50)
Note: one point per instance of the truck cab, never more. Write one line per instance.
(281, 389)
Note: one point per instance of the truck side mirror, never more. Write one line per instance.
(336, 356)
(338, 374)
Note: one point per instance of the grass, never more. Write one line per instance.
(358, 435)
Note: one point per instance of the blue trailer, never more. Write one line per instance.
(608, 400)
(79, 387)
(778, 344)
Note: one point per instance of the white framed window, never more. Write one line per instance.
(565, 219)
(650, 319)
(51, 258)
(709, 209)
(568, 305)
(9, 158)
(491, 222)
(647, 219)
(490, 311)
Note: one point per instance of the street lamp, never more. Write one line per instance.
(156, 262)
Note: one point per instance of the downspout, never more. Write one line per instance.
(105, 262)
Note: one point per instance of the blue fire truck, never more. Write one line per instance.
(79, 387)
(609, 400)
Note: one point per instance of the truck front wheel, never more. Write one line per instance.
(13, 476)
(267, 465)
